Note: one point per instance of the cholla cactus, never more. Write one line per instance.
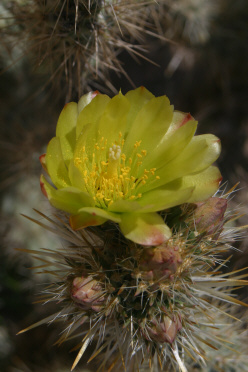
(75, 42)
(134, 311)
(188, 20)
(137, 299)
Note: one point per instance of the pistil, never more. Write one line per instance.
(113, 162)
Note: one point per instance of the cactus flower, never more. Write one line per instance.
(125, 159)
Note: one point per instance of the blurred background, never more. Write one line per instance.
(52, 52)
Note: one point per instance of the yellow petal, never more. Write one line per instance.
(91, 216)
(92, 112)
(121, 206)
(137, 98)
(68, 199)
(85, 100)
(159, 199)
(205, 184)
(170, 146)
(82, 220)
(42, 159)
(150, 125)
(113, 119)
(85, 144)
(199, 154)
(147, 229)
(76, 177)
(66, 130)
(179, 119)
(55, 164)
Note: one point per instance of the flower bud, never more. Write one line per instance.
(164, 330)
(160, 262)
(209, 215)
(87, 292)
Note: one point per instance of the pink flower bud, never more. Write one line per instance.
(209, 215)
(164, 330)
(160, 262)
(87, 292)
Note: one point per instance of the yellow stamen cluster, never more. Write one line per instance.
(109, 176)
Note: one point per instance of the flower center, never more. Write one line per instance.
(109, 176)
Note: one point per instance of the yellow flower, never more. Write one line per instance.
(126, 158)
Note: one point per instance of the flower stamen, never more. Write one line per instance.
(107, 177)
